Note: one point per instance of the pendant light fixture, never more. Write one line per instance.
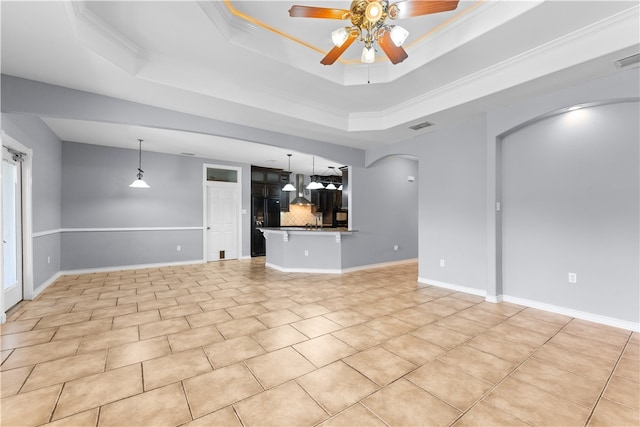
(139, 183)
(331, 185)
(314, 185)
(289, 186)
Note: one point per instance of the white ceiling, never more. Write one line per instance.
(248, 62)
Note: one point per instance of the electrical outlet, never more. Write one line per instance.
(441, 263)
(178, 248)
(395, 247)
(306, 252)
(573, 278)
(48, 260)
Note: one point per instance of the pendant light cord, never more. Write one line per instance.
(140, 171)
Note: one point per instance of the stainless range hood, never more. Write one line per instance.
(300, 200)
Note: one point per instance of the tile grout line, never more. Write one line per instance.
(604, 388)
(235, 412)
(25, 379)
(53, 411)
(98, 417)
(186, 398)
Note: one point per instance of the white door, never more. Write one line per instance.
(11, 230)
(222, 220)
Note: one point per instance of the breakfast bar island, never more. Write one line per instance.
(309, 250)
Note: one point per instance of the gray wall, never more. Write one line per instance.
(46, 186)
(96, 194)
(452, 205)
(89, 250)
(384, 206)
(460, 184)
(324, 252)
(42, 99)
(570, 189)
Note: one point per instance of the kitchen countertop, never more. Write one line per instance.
(296, 230)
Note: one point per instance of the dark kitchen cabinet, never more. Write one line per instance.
(265, 212)
(265, 190)
(284, 195)
(326, 200)
(265, 204)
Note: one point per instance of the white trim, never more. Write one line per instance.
(304, 270)
(205, 206)
(109, 230)
(130, 267)
(379, 265)
(494, 298)
(450, 286)
(47, 232)
(46, 284)
(27, 219)
(126, 229)
(591, 317)
(619, 30)
(339, 270)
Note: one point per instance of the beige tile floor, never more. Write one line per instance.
(233, 343)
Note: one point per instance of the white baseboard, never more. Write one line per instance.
(46, 284)
(339, 270)
(304, 270)
(379, 265)
(494, 298)
(450, 286)
(130, 267)
(591, 317)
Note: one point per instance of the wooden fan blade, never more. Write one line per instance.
(409, 8)
(318, 12)
(335, 53)
(396, 54)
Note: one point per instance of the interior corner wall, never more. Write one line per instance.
(384, 206)
(46, 191)
(108, 215)
(571, 197)
(452, 207)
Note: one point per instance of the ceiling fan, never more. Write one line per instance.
(368, 24)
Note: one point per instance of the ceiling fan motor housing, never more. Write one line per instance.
(365, 12)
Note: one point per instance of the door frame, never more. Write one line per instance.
(27, 220)
(205, 206)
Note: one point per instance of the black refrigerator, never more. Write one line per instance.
(265, 212)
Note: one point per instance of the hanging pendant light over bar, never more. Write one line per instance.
(289, 186)
(139, 183)
(331, 185)
(314, 185)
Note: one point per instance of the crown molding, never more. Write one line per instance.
(614, 33)
(103, 39)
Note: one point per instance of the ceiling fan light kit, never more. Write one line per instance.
(339, 36)
(368, 55)
(368, 25)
